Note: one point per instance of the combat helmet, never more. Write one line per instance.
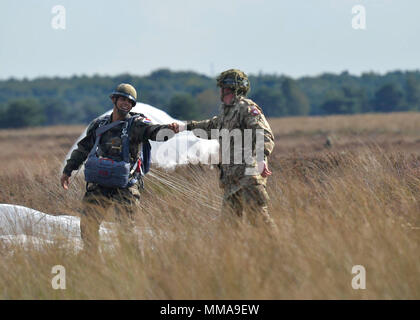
(234, 79)
(125, 90)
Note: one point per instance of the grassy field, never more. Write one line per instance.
(352, 201)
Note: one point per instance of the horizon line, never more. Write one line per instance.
(260, 73)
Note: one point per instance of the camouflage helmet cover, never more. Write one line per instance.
(125, 90)
(234, 79)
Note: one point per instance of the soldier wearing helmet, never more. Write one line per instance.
(127, 95)
(244, 194)
(110, 145)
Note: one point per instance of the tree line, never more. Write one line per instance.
(189, 95)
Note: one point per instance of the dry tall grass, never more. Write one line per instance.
(356, 203)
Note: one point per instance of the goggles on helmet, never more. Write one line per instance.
(233, 82)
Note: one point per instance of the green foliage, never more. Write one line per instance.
(280, 97)
(183, 106)
(296, 101)
(347, 100)
(22, 113)
(188, 95)
(388, 98)
(209, 102)
(272, 101)
(412, 89)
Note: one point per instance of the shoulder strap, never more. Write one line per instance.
(100, 130)
(145, 152)
(125, 139)
(104, 119)
(106, 127)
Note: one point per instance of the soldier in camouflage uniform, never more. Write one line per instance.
(244, 194)
(97, 197)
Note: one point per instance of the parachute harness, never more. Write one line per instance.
(108, 172)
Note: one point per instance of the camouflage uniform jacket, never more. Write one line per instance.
(244, 114)
(110, 145)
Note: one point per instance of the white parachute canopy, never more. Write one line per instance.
(25, 226)
(19, 220)
(184, 148)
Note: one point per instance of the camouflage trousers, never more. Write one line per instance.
(95, 206)
(250, 202)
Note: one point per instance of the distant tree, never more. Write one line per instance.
(208, 102)
(336, 103)
(80, 98)
(3, 117)
(23, 113)
(295, 99)
(184, 107)
(271, 101)
(88, 109)
(357, 98)
(338, 106)
(412, 90)
(56, 111)
(388, 98)
(161, 73)
(347, 100)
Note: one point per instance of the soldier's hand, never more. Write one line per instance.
(65, 180)
(263, 168)
(174, 127)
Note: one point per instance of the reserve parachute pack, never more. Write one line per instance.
(117, 174)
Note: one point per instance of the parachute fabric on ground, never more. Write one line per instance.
(15, 220)
(184, 148)
(25, 226)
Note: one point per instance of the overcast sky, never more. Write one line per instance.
(292, 37)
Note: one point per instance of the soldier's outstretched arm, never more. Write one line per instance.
(145, 130)
(205, 125)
